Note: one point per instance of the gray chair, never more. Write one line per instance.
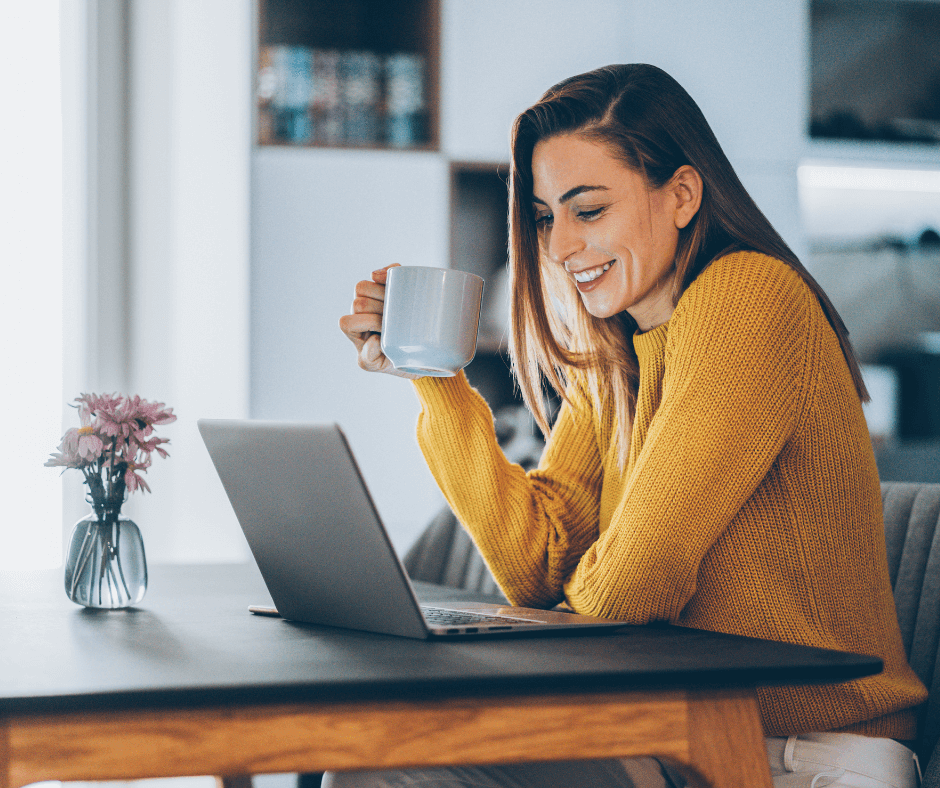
(912, 536)
(445, 554)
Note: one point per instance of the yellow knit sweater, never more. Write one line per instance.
(750, 502)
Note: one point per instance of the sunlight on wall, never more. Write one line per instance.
(31, 289)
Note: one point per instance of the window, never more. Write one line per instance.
(31, 291)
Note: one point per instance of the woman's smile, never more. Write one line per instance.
(587, 279)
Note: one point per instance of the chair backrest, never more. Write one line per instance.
(912, 535)
(445, 554)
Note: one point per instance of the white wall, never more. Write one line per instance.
(497, 58)
(321, 221)
(31, 190)
(189, 261)
(745, 63)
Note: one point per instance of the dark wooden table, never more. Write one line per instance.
(190, 683)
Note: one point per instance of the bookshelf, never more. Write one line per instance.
(348, 74)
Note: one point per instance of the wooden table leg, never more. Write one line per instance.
(726, 740)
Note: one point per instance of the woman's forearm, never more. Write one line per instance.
(531, 528)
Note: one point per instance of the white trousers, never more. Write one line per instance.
(812, 760)
(817, 760)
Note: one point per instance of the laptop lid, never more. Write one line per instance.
(318, 540)
(311, 525)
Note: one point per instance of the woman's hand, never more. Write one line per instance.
(364, 325)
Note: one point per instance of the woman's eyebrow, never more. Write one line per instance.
(572, 193)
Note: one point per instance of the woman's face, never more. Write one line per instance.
(614, 235)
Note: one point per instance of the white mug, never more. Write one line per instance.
(430, 319)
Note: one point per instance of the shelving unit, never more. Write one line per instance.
(479, 237)
(348, 73)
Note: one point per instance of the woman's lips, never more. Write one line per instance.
(589, 278)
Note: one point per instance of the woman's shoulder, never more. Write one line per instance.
(747, 272)
(749, 317)
(740, 288)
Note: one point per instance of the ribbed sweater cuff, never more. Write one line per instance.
(896, 725)
(443, 392)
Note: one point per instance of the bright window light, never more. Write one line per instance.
(819, 176)
(31, 290)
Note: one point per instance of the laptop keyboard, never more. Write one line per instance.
(441, 617)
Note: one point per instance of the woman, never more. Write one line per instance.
(710, 466)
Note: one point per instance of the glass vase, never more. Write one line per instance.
(106, 566)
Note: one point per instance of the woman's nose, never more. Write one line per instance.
(563, 242)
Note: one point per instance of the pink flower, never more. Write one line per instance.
(132, 479)
(82, 442)
(154, 412)
(60, 460)
(115, 442)
(153, 445)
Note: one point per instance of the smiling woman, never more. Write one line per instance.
(711, 466)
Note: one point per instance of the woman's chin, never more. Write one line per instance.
(599, 306)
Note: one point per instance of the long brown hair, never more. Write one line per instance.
(645, 118)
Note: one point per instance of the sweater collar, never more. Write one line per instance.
(651, 344)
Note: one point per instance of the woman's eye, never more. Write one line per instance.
(590, 214)
(545, 220)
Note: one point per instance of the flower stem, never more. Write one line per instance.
(80, 563)
(117, 558)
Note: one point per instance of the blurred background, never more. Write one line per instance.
(191, 188)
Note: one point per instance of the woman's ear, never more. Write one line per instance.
(686, 187)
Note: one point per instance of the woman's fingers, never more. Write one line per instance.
(366, 313)
(370, 297)
(381, 275)
(359, 325)
(364, 324)
(371, 356)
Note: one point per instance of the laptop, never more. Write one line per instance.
(321, 547)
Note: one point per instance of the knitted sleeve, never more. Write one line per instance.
(739, 358)
(530, 528)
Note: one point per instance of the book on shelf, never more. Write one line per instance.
(405, 100)
(266, 88)
(284, 94)
(362, 93)
(326, 98)
(333, 97)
